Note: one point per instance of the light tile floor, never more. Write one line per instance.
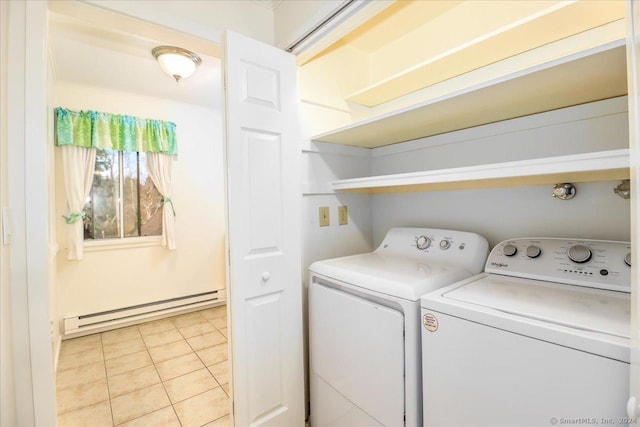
(169, 372)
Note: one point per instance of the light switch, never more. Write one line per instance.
(343, 215)
(324, 216)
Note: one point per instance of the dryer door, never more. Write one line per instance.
(356, 357)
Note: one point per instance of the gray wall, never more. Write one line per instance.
(498, 214)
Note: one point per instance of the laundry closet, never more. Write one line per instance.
(415, 114)
(466, 124)
(558, 94)
(453, 122)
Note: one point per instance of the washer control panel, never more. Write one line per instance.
(594, 263)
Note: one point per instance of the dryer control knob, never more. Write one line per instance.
(423, 242)
(533, 251)
(445, 244)
(579, 253)
(627, 259)
(509, 249)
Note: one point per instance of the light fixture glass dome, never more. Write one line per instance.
(177, 62)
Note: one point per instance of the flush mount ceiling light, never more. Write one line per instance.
(177, 62)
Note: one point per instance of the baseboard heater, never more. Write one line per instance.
(111, 319)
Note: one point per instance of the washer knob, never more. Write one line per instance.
(423, 242)
(445, 244)
(509, 249)
(627, 259)
(579, 253)
(533, 251)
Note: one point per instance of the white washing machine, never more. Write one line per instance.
(540, 338)
(364, 325)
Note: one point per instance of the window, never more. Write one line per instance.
(123, 201)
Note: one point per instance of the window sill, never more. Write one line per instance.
(127, 243)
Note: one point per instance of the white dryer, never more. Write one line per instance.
(541, 338)
(364, 325)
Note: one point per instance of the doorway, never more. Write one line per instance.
(173, 366)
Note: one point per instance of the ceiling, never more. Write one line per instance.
(396, 21)
(85, 52)
(270, 4)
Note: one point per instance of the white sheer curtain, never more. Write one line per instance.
(79, 165)
(159, 166)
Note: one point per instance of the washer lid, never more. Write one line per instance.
(596, 310)
(399, 276)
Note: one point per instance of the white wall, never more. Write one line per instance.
(322, 164)
(584, 128)
(109, 279)
(499, 214)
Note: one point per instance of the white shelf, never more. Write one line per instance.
(590, 75)
(589, 167)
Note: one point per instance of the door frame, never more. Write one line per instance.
(633, 79)
(28, 174)
(27, 171)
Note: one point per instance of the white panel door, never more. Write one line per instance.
(633, 78)
(263, 223)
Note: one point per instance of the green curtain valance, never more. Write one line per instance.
(114, 132)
